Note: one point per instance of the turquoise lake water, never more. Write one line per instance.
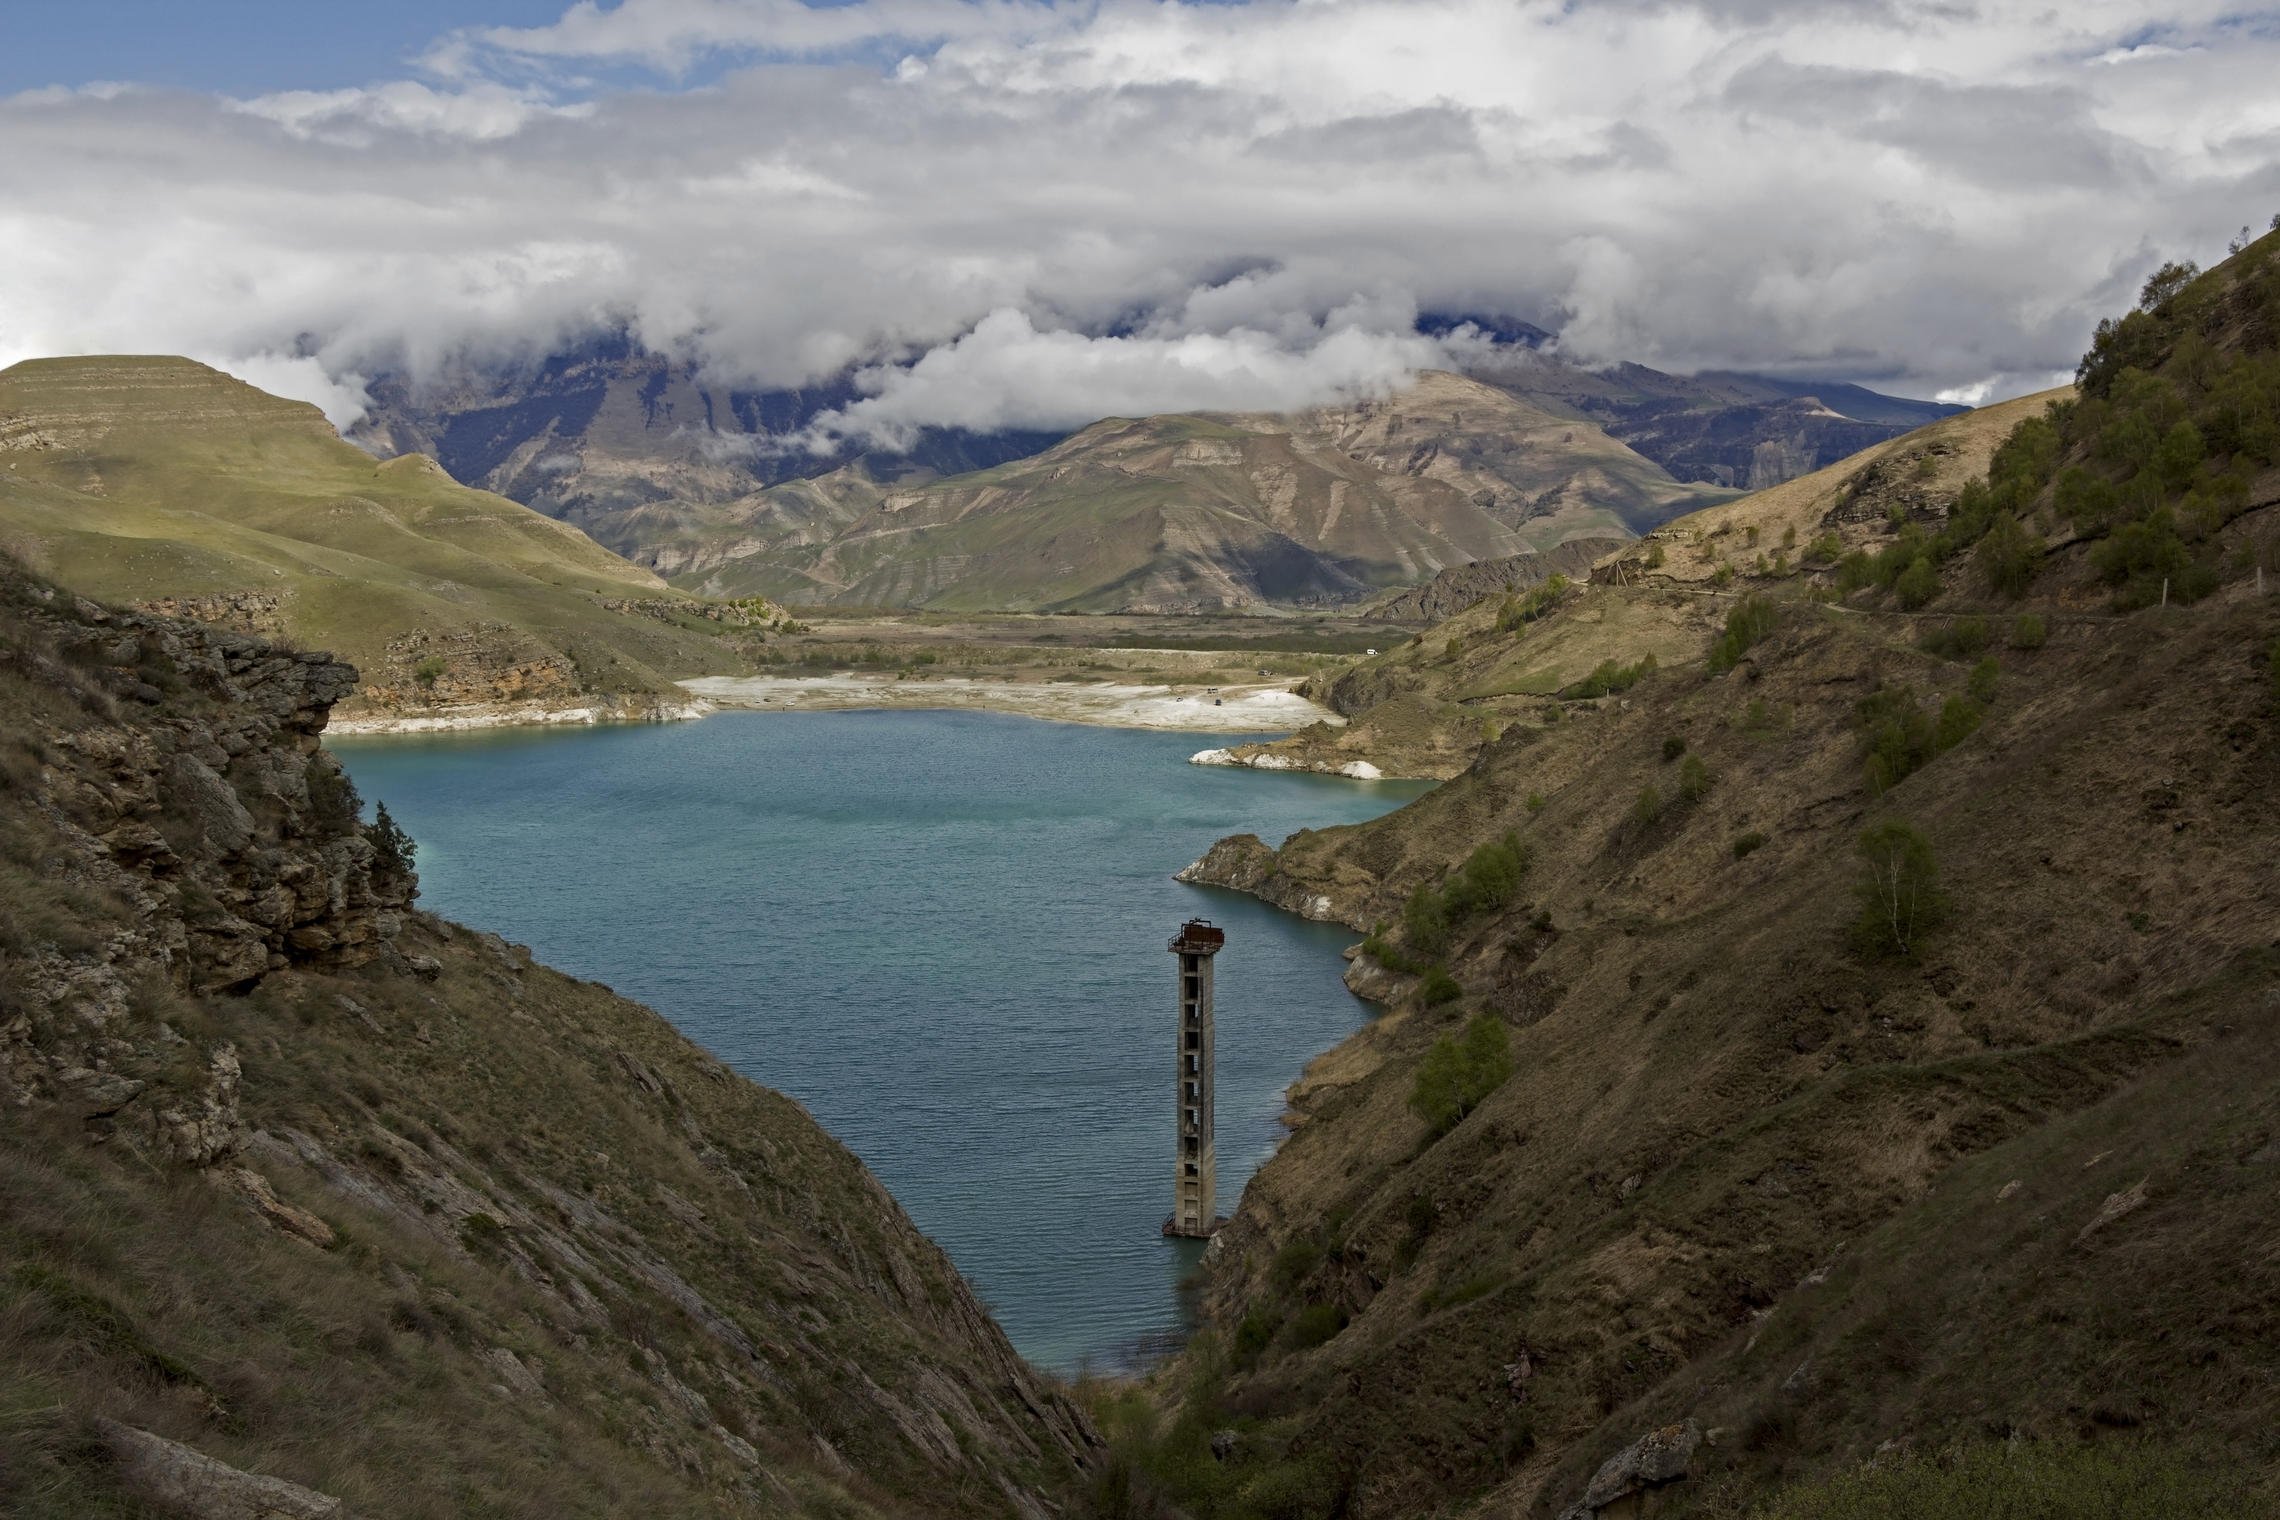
(942, 932)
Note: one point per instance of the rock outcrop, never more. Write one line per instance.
(179, 1481)
(1459, 586)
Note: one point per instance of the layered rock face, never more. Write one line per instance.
(218, 814)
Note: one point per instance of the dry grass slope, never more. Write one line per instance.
(1763, 1198)
(384, 1208)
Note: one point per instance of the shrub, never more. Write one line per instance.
(1744, 844)
(1963, 639)
(430, 670)
(1693, 779)
(1673, 747)
(1611, 677)
(1827, 549)
(393, 850)
(1256, 1333)
(1520, 610)
(1985, 676)
(1537, 802)
(1646, 808)
(1917, 584)
(1899, 889)
(1457, 1073)
(1295, 1262)
(1439, 987)
(1488, 879)
(1722, 576)
(2009, 556)
(1391, 956)
(1425, 922)
(1901, 737)
(334, 807)
(1750, 620)
(1314, 1324)
(1959, 719)
(2028, 632)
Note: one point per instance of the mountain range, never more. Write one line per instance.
(709, 486)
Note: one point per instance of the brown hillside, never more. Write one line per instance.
(1856, 1042)
(298, 1180)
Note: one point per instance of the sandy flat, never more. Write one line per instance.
(1231, 709)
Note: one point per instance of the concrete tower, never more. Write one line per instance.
(1195, 1177)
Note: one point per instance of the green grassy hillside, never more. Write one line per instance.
(139, 480)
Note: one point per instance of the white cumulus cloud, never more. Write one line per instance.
(1019, 213)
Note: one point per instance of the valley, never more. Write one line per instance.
(1194, 760)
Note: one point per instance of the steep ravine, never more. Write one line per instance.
(312, 1200)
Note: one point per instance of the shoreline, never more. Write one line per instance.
(1243, 709)
(1251, 708)
(512, 715)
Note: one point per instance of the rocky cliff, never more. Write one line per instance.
(1461, 586)
(312, 1203)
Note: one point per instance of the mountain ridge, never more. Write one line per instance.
(157, 480)
(683, 474)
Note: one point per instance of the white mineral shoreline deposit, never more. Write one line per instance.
(515, 715)
(1230, 709)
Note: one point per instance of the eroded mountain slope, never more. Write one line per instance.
(1856, 1038)
(1195, 513)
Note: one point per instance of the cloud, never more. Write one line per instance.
(341, 398)
(1006, 373)
(1009, 213)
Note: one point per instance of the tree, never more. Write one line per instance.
(1917, 584)
(1458, 1072)
(1899, 889)
(1425, 917)
(2164, 284)
(2009, 556)
(393, 850)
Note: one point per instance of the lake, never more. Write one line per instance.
(944, 933)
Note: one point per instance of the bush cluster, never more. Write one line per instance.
(1611, 677)
(1489, 879)
(1901, 737)
(2151, 460)
(1747, 622)
(1519, 611)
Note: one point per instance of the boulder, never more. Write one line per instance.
(172, 1477)
(1656, 1458)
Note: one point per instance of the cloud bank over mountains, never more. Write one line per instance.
(1008, 213)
